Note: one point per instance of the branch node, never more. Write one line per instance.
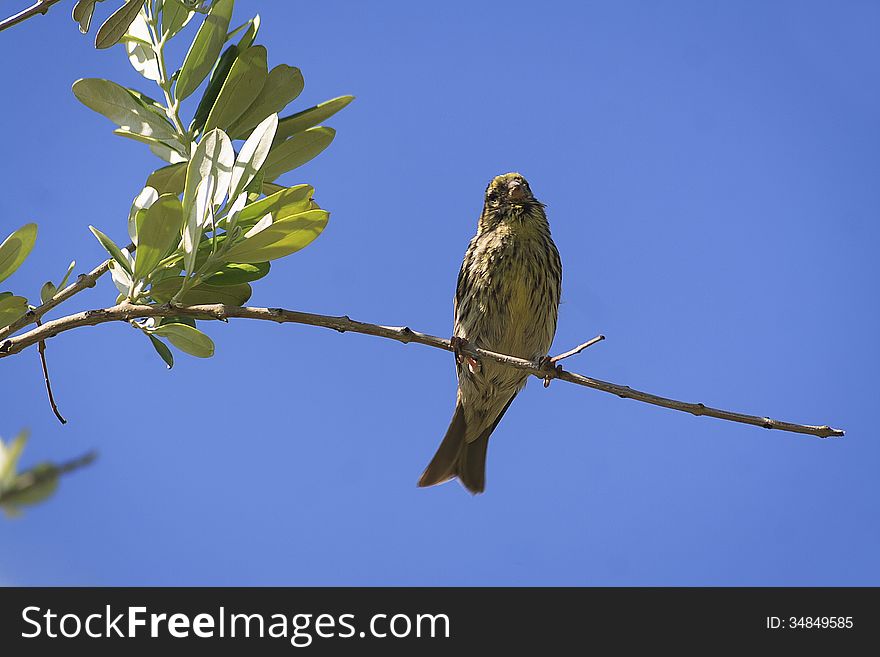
(84, 280)
(406, 335)
(342, 319)
(549, 369)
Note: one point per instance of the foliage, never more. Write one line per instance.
(207, 224)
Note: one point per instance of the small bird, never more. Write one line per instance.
(506, 301)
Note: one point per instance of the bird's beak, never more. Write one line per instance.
(516, 191)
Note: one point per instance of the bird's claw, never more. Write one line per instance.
(458, 344)
(552, 369)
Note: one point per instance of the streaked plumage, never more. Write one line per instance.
(506, 301)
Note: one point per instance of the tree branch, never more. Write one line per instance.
(576, 350)
(127, 312)
(82, 282)
(39, 7)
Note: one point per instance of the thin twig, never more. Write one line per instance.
(126, 312)
(41, 349)
(82, 282)
(39, 7)
(576, 350)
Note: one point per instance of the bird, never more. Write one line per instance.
(506, 301)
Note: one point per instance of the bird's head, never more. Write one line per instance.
(509, 200)
(507, 191)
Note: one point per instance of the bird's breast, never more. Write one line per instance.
(510, 300)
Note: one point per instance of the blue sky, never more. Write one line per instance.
(710, 172)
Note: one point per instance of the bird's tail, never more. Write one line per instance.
(456, 457)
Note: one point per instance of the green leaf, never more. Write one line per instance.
(82, 13)
(140, 215)
(290, 200)
(160, 347)
(175, 16)
(206, 248)
(168, 180)
(291, 125)
(67, 274)
(128, 110)
(241, 28)
(143, 60)
(116, 26)
(204, 251)
(157, 234)
(280, 238)
(247, 40)
(214, 156)
(139, 47)
(218, 77)
(145, 198)
(165, 152)
(204, 49)
(47, 291)
(187, 339)
(169, 150)
(244, 82)
(149, 103)
(200, 215)
(121, 279)
(203, 293)
(283, 84)
(15, 249)
(255, 186)
(11, 309)
(114, 251)
(296, 151)
(237, 273)
(178, 319)
(232, 211)
(252, 155)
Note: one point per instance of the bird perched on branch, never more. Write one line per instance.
(506, 301)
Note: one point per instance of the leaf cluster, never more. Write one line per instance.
(206, 226)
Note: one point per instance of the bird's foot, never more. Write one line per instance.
(457, 345)
(552, 369)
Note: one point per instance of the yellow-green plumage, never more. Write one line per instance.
(506, 301)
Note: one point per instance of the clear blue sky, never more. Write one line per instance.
(711, 175)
